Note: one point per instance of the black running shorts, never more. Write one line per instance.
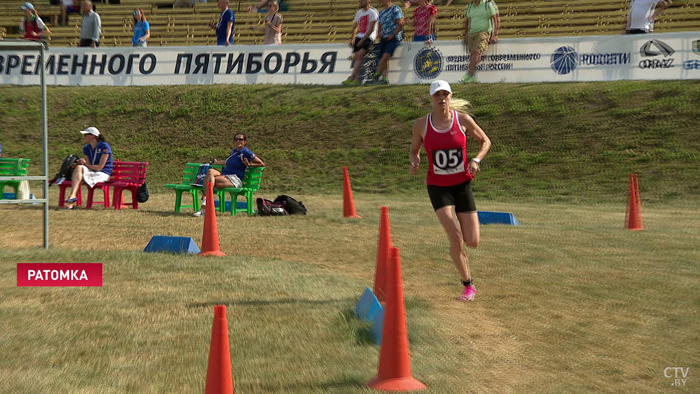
(460, 196)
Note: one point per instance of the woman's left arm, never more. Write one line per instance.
(478, 134)
(98, 167)
(256, 163)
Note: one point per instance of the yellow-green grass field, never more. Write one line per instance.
(568, 301)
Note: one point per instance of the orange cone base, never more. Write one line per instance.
(636, 228)
(397, 384)
(354, 217)
(212, 253)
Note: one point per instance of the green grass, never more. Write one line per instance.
(568, 301)
(551, 142)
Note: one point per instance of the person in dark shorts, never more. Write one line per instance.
(364, 32)
(390, 33)
(443, 133)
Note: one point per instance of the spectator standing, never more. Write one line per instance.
(423, 22)
(390, 35)
(142, 30)
(31, 27)
(224, 28)
(69, 7)
(642, 15)
(481, 24)
(364, 32)
(91, 27)
(273, 24)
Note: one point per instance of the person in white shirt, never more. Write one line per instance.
(364, 32)
(642, 15)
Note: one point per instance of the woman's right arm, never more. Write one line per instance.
(416, 143)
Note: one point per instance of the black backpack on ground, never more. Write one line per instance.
(270, 208)
(291, 205)
(66, 171)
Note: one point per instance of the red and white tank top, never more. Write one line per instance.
(447, 153)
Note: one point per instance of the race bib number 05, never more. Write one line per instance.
(448, 161)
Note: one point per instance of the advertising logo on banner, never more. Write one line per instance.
(428, 63)
(693, 64)
(565, 59)
(655, 48)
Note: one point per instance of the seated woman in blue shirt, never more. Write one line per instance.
(234, 168)
(96, 165)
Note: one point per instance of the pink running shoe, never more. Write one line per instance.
(469, 293)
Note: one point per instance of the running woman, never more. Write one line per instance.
(443, 132)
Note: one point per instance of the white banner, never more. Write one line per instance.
(555, 59)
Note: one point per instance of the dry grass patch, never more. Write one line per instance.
(568, 301)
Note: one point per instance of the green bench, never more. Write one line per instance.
(188, 178)
(251, 183)
(12, 167)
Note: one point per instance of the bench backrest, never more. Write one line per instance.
(13, 167)
(191, 170)
(252, 178)
(133, 172)
(190, 175)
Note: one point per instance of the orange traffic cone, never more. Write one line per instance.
(348, 202)
(383, 256)
(394, 359)
(219, 379)
(210, 238)
(633, 215)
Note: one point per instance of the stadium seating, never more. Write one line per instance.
(310, 21)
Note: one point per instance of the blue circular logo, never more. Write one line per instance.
(564, 60)
(428, 63)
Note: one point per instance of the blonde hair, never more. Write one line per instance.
(460, 105)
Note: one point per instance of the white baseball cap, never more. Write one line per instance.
(26, 6)
(439, 85)
(91, 130)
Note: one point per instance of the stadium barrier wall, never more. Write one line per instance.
(554, 59)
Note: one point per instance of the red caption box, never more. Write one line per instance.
(58, 274)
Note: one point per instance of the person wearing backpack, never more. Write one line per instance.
(481, 24)
(234, 168)
(32, 27)
(96, 165)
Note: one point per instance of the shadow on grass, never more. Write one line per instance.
(328, 386)
(270, 302)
